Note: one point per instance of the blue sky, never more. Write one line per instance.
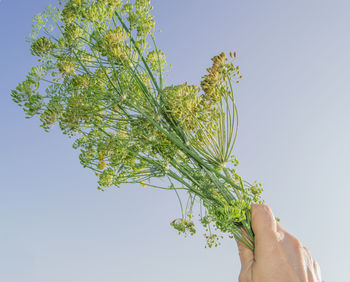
(294, 138)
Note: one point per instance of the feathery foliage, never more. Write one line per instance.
(100, 78)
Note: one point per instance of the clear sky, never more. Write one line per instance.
(294, 138)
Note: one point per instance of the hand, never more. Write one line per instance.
(278, 255)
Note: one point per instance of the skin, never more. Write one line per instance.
(278, 255)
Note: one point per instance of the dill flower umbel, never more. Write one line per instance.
(100, 78)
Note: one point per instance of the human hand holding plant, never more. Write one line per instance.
(278, 255)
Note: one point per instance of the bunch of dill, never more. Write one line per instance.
(100, 77)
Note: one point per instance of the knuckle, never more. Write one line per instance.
(297, 243)
(307, 251)
(294, 241)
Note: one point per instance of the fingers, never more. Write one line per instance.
(313, 266)
(308, 265)
(264, 228)
(246, 255)
(317, 270)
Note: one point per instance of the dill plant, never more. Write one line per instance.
(100, 78)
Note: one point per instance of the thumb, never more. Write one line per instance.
(246, 255)
(264, 228)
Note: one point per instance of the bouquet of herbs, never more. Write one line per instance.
(100, 77)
